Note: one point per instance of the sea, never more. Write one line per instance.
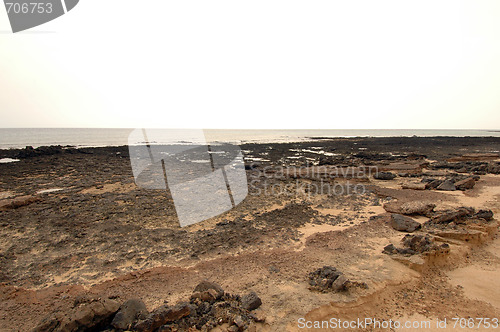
(95, 137)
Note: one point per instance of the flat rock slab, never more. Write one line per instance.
(403, 223)
(409, 208)
(413, 186)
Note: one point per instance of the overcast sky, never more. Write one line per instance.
(256, 64)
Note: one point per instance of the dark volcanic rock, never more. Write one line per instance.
(485, 214)
(415, 244)
(404, 224)
(88, 317)
(161, 316)
(451, 215)
(465, 184)
(418, 243)
(29, 151)
(250, 301)
(384, 176)
(433, 183)
(206, 296)
(327, 279)
(129, 312)
(447, 185)
(390, 249)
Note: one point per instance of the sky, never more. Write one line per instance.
(263, 64)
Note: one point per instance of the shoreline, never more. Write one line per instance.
(100, 137)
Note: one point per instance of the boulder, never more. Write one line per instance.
(485, 214)
(390, 249)
(327, 279)
(129, 312)
(447, 185)
(340, 284)
(433, 184)
(416, 244)
(250, 301)
(161, 316)
(494, 168)
(205, 296)
(206, 285)
(465, 184)
(404, 224)
(90, 316)
(384, 176)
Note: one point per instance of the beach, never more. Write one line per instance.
(408, 223)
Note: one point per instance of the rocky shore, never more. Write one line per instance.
(331, 228)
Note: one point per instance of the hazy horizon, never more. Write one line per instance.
(278, 64)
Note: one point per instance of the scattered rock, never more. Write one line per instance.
(238, 321)
(416, 244)
(434, 184)
(390, 249)
(206, 296)
(129, 312)
(161, 316)
(207, 285)
(384, 176)
(410, 208)
(325, 280)
(85, 317)
(413, 186)
(465, 184)
(447, 185)
(340, 284)
(404, 224)
(494, 168)
(485, 214)
(250, 301)
(451, 215)
(29, 151)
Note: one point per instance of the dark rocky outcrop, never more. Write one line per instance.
(327, 279)
(208, 307)
(251, 301)
(465, 184)
(161, 316)
(129, 312)
(484, 214)
(447, 185)
(416, 244)
(403, 223)
(452, 215)
(384, 176)
(93, 316)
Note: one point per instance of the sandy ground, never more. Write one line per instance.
(116, 247)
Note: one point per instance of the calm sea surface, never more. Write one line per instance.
(19, 137)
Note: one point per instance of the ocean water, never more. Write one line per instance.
(84, 137)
